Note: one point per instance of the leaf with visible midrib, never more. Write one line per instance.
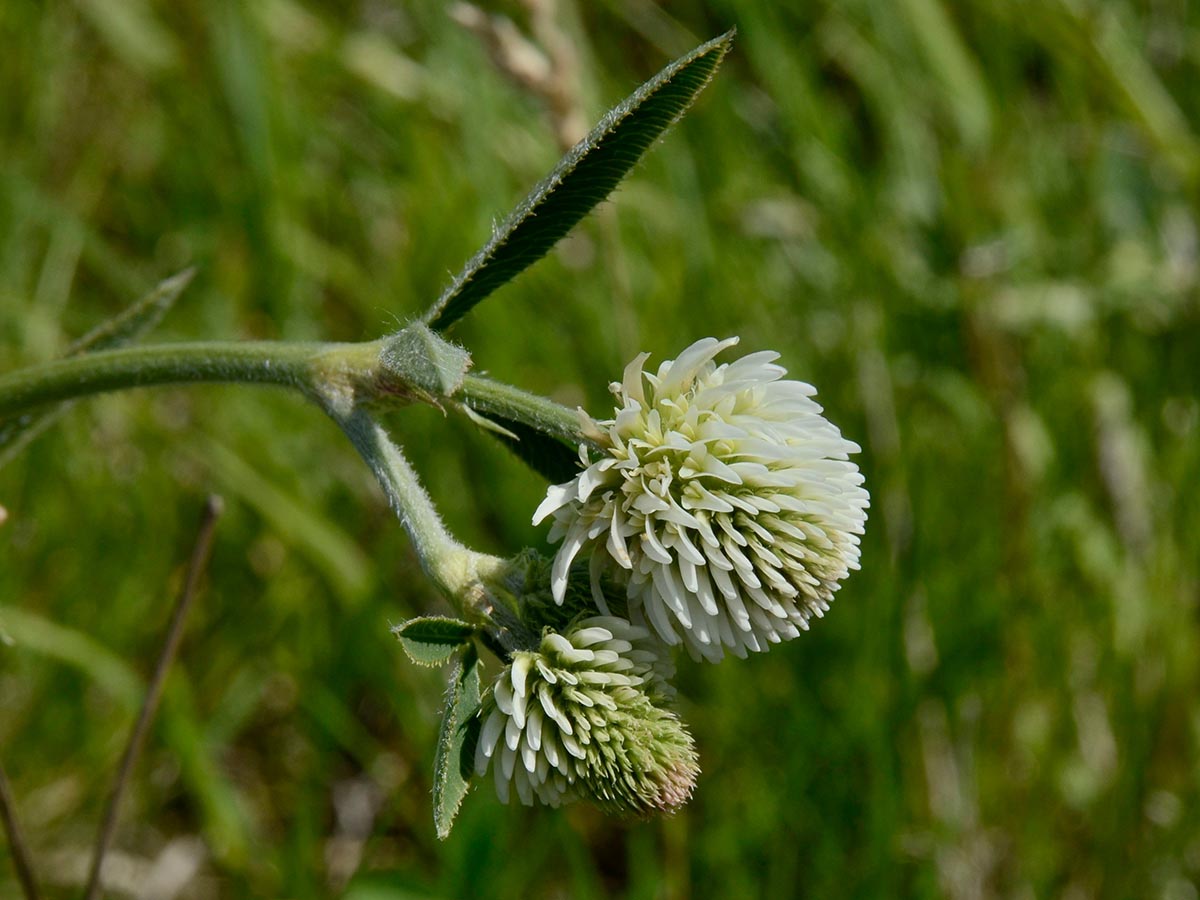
(456, 750)
(582, 178)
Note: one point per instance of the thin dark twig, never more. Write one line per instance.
(200, 553)
(16, 842)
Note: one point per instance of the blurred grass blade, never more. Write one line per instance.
(133, 33)
(456, 740)
(951, 62)
(225, 817)
(1123, 63)
(324, 543)
(72, 647)
(580, 181)
(125, 327)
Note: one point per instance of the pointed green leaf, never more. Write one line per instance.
(432, 640)
(125, 327)
(581, 180)
(138, 319)
(485, 423)
(456, 742)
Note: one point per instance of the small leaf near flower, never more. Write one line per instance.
(456, 742)
(432, 640)
(544, 453)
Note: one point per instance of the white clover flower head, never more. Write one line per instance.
(578, 717)
(538, 608)
(722, 498)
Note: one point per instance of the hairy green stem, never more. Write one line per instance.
(505, 401)
(333, 374)
(457, 571)
(313, 368)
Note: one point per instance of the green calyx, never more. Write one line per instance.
(528, 578)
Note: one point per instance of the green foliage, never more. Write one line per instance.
(581, 180)
(456, 741)
(134, 322)
(432, 640)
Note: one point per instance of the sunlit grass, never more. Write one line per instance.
(971, 226)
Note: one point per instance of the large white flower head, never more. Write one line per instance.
(582, 716)
(722, 498)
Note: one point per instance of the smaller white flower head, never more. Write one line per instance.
(578, 717)
(723, 499)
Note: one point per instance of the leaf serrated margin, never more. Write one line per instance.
(432, 640)
(459, 728)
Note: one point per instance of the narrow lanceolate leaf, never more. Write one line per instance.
(456, 742)
(431, 641)
(581, 180)
(130, 324)
(125, 327)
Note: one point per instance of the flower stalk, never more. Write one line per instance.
(499, 399)
(460, 573)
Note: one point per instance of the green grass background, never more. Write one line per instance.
(973, 226)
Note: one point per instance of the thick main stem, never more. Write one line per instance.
(344, 379)
(296, 365)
